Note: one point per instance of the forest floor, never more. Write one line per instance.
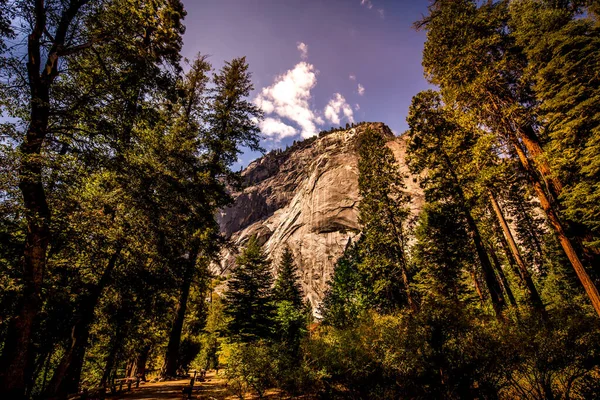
(214, 388)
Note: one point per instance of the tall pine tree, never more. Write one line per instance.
(249, 296)
(383, 214)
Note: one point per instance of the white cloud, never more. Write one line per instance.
(289, 95)
(276, 129)
(336, 107)
(367, 3)
(357, 107)
(361, 89)
(303, 48)
(352, 77)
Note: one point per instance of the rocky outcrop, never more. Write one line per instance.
(306, 198)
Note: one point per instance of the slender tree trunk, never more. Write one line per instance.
(169, 368)
(477, 286)
(15, 364)
(531, 231)
(534, 296)
(502, 276)
(489, 276)
(556, 224)
(66, 378)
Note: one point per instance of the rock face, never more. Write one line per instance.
(306, 198)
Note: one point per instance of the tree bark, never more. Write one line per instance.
(489, 276)
(66, 378)
(502, 276)
(556, 224)
(534, 296)
(171, 363)
(16, 360)
(139, 367)
(477, 286)
(112, 355)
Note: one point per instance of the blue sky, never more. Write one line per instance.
(308, 58)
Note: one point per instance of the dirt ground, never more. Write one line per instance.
(214, 388)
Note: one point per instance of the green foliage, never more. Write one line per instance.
(383, 215)
(250, 367)
(347, 295)
(248, 301)
(287, 287)
(439, 253)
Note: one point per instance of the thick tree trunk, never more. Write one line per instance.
(533, 146)
(139, 365)
(556, 224)
(534, 296)
(16, 360)
(66, 378)
(171, 363)
(112, 355)
(554, 186)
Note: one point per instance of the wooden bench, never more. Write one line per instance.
(124, 381)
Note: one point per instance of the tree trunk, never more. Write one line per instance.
(169, 368)
(66, 378)
(556, 224)
(534, 296)
(489, 276)
(477, 286)
(139, 366)
(533, 146)
(502, 276)
(112, 355)
(17, 357)
(554, 186)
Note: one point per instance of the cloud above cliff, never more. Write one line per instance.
(361, 90)
(338, 108)
(303, 49)
(289, 97)
(369, 5)
(276, 129)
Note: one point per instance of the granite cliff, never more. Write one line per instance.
(306, 197)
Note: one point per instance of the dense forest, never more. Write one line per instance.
(116, 154)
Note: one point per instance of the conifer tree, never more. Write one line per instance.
(471, 54)
(383, 214)
(440, 147)
(287, 287)
(248, 300)
(348, 294)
